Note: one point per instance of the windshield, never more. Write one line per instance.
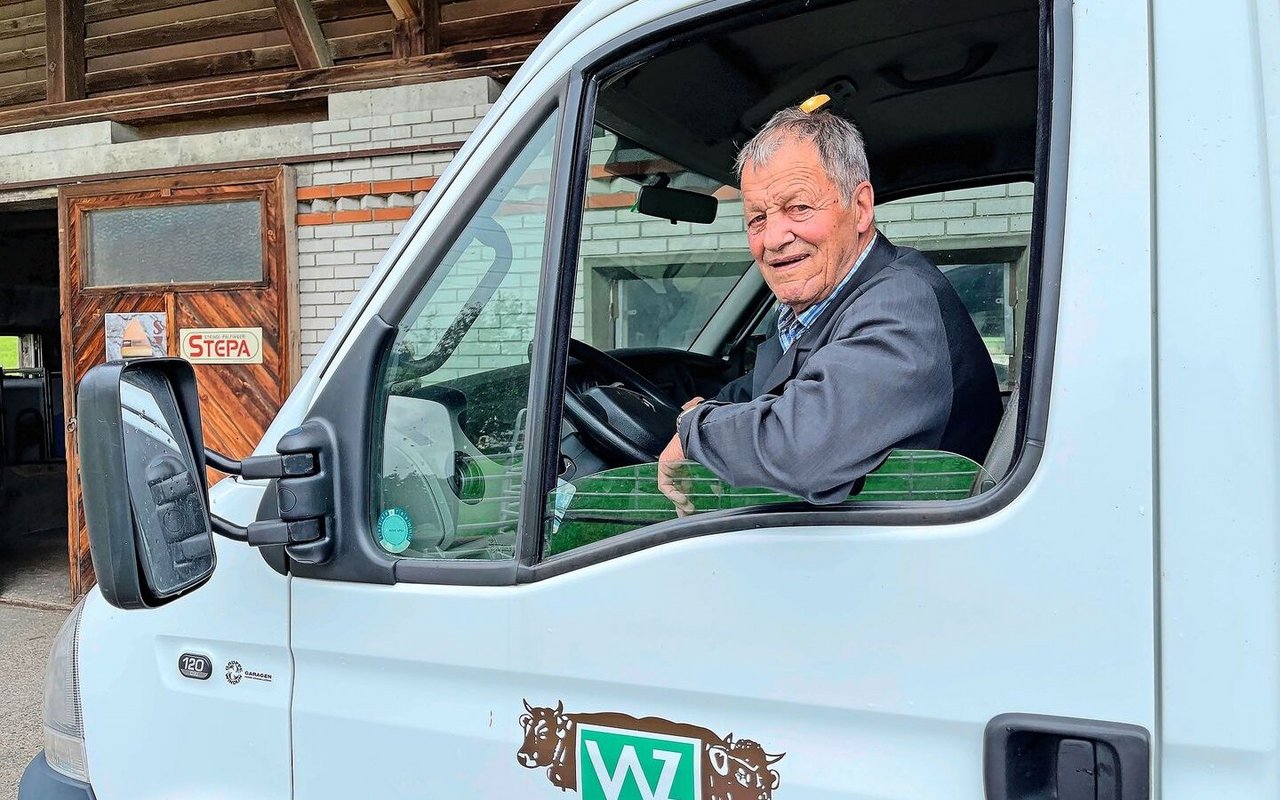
(646, 281)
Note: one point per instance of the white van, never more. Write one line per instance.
(455, 578)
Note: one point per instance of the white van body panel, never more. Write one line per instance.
(151, 733)
(872, 656)
(1218, 219)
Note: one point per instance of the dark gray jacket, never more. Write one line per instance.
(894, 362)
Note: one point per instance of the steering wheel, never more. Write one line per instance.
(623, 412)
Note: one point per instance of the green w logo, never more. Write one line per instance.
(616, 764)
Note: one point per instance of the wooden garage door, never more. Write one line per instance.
(201, 257)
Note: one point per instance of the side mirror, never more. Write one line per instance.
(142, 478)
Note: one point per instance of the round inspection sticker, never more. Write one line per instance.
(395, 530)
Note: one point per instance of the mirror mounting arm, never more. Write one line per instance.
(267, 467)
(288, 465)
(278, 531)
(227, 528)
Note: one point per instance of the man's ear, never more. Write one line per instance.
(864, 200)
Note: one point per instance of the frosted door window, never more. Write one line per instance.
(195, 243)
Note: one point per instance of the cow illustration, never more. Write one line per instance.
(743, 766)
(732, 769)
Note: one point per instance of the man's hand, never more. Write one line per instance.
(671, 470)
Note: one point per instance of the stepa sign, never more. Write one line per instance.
(221, 345)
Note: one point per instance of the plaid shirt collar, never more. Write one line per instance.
(791, 326)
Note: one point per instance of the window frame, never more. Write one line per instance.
(266, 186)
(343, 411)
(344, 414)
(1045, 249)
(439, 266)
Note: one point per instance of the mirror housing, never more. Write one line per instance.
(677, 205)
(143, 481)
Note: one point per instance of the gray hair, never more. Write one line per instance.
(839, 143)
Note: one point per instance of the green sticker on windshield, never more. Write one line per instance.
(395, 530)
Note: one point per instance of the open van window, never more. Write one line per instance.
(658, 299)
(951, 151)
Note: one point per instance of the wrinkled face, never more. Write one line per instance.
(802, 235)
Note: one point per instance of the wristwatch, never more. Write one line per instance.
(680, 416)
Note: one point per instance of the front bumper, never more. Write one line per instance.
(41, 782)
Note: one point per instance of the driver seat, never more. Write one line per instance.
(1000, 455)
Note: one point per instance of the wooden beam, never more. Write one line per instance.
(403, 9)
(98, 10)
(22, 93)
(20, 26)
(418, 33)
(266, 90)
(22, 59)
(431, 25)
(298, 18)
(192, 69)
(330, 10)
(526, 22)
(467, 9)
(258, 59)
(64, 49)
(362, 45)
(193, 30)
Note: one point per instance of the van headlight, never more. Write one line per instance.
(63, 716)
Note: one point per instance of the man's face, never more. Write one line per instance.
(801, 234)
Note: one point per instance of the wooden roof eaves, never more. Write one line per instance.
(265, 90)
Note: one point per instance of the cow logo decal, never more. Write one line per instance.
(609, 756)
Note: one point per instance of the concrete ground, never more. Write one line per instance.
(34, 568)
(25, 637)
(35, 595)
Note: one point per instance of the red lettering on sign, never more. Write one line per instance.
(222, 347)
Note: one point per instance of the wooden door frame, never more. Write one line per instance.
(275, 186)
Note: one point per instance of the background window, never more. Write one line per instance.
(645, 281)
(174, 243)
(979, 238)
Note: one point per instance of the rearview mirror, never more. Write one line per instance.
(142, 478)
(677, 205)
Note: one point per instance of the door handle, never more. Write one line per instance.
(1030, 756)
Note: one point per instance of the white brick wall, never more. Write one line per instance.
(944, 220)
(335, 259)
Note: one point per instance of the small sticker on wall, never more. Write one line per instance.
(140, 334)
(395, 530)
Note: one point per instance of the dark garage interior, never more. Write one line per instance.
(33, 467)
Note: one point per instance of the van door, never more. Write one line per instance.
(443, 646)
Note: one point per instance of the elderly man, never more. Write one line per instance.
(873, 350)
